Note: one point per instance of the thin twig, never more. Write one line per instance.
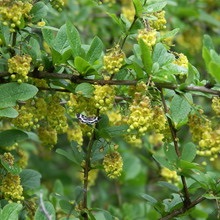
(43, 208)
(173, 131)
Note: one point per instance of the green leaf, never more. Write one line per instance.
(146, 56)
(138, 8)
(149, 198)
(187, 168)
(85, 89)
(11, 211)
(95, 50)
(12, 92)
(83, 67)
(15, 170)
(174, 203)
(44, 214)
(193, 75)
(170, 153)
(207, 42)
(188, 152)
(158, 6)
(60, 42)
(115, 131)
(163, 162)
(161, 56)
(48, 36)
(30, 179)
(214, 69)
(38, 11)
(74, 39)
(9, 113)
(180, 109)
(169, 186)
(10, 137)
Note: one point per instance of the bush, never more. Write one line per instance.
(109, 109)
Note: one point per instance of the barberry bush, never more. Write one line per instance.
(109, 109)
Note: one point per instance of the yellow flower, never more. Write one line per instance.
(113, 164)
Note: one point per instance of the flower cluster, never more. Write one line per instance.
(128, 10)
(216, 105)
(11, 188)
(8, 158)
(160, 22)
(75, 134)
(57, 4)
(170, 175)
(148, 36)
(208, 139)
(13, 12)
(47, 116)
(23, 158)
(104, 97)
(19, 67)
(113, 164)
(113, 60)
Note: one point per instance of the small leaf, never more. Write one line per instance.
(49, 210)
(163, 161)
(15, 170)
(149, 198)
(38, 11)
(161, 56)
(85, 89)
(8, 112)
(146, 56)
(138, 8)
(214, 69)
(169, 186)
(82, 66)
(10, 137)
(95, 50)
(12, 92)
(11, 211)
(180, 109)
(158, 6)
(30, 179)
(170, 153)
(188, 152)
(74, 39)
(60, 42)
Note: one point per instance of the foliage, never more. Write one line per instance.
(109, 109)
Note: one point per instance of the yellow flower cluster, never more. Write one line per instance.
(160, 22)
(104, 97)
(170, 175)
(216, 105)
(8, 158)
(19, 67)
(113, 60)
(11, 189)
(115, 117)
(208, 139)
(57, 4)
(23, 158)
(56, 115)
(26, 118)
(75, 134)
(48, 136)
(128, 10)
(78, 103)
(182, 60)
(148, 36)
(12, 13)
(113, 164)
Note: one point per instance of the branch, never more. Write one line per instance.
(183, 209)
(78, 79)
(173, 131)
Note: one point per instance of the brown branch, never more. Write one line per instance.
(173, 131)
(78, 79)
(183, 209)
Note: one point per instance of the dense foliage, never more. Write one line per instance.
(109, 109)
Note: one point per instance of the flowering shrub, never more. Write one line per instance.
(109, 109)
